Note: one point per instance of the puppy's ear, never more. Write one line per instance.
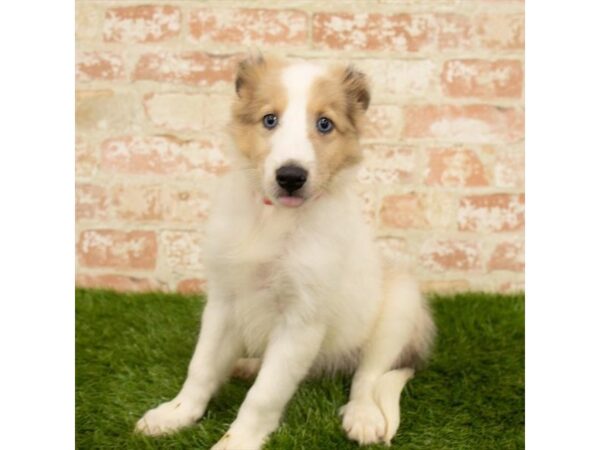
(357, 87)
(247, 73)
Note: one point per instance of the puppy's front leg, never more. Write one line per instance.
(216, 352)
(290, 354)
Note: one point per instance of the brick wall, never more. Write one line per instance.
(443, 175)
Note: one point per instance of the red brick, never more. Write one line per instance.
(191, 286)
(383, 122)
(412, 33)
(120, 283)
(137, 202)
(468, 123)
(440, 208)
(91, 201)
(86, 161)
(512, 287)
(104, 110)
(509, 170)
(500, 32)
(454, 32)
(185, 205)
(484, 79)
(403, 211)
(88, 21)
(161, 155)
(494, 212)
(182, 250)
(191, 68)
(385, 164)
(176, 111)
(508, 255)
(93, 66)
(117, 249)
(442, 255)
(249, 26)
(153, 202)
(483, 32)
(408, 78)
(372, 31)
(141, 23)
(432, 210)
(455, 168)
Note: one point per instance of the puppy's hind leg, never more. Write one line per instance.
(404, 328)
(387, 396)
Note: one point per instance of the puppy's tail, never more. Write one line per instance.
(387, 396)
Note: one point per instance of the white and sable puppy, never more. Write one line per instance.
(295, 282)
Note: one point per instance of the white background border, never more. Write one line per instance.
(562, 225)
(37, 225)
(562, 234)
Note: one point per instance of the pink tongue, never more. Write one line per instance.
(292, 202)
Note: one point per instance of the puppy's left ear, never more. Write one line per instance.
(357, 87)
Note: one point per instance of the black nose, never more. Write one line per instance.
(291, 178)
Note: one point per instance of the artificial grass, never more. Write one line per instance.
(133, 351)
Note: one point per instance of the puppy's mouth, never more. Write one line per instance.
(290, 201)
(285, 199)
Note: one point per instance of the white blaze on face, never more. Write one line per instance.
(290, 142)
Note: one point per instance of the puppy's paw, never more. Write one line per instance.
(168, 417)
(363, 422)
(237, 440)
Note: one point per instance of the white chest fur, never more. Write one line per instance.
(304, 263)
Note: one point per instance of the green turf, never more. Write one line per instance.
(133, 351)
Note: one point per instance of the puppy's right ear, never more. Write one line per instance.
(248, 72)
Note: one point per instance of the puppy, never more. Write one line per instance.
(295, 283)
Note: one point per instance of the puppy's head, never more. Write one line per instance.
(297, 124)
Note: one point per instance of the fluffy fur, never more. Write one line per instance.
(298, 290)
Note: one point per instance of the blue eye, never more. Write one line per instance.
(270, 121)
(324, 125)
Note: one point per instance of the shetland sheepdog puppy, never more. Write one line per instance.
(296, 286)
